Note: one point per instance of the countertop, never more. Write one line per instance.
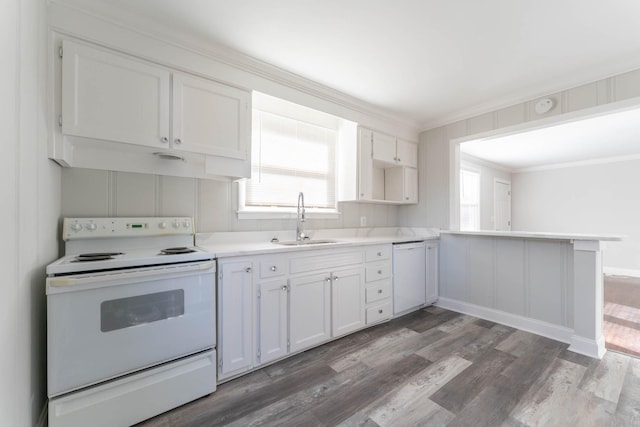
(538, 235)
(244, 243)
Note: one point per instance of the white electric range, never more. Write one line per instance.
(131, 321)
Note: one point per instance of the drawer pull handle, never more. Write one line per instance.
(379, 291)
(274, 268)
(380, 311)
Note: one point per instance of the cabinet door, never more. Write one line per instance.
(272, 320)
(112, 97)
(365, 165)
(407, 153)
(310, 307)
(347, 301)
(234, 317)
(410, 185)
(210, 118)
(432, 273)
(384, 148)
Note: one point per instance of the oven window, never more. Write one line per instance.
(126, 312)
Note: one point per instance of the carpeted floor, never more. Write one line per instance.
(622, 314)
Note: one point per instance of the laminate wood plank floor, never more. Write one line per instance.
(433, 367)
(622, 314)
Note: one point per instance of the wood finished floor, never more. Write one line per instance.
(622, 314)
(432, 368)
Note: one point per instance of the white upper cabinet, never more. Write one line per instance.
(384, 148)
(210, 117)
(113, 106)
(406, 153)
(391, 151)
(111, 97)
(387, 170)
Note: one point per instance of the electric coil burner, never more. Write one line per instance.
(130, 320)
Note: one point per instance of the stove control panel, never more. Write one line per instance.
(92, 228)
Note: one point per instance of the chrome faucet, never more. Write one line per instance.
(300, 236)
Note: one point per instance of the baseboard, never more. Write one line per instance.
(44, 414)
(591, 348)
(612, 271)
(555, 332)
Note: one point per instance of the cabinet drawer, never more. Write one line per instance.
(377, 272)
(378, 292)
(273, 267)
(378, 313)
(378, 253)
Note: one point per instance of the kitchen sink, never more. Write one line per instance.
(306, 242)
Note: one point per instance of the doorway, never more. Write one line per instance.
(622, 314)
(502, 205)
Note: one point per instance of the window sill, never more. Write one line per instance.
(272, 214)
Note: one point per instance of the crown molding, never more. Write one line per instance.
(215, 51)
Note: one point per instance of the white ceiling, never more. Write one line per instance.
(429, 61)
(607, 136)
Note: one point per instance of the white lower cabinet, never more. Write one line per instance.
(271, 306)
(235, 314)
(347, 301)
(378, 290)
(310, 310)
(272, 320)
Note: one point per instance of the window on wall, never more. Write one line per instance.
(469, 200)
(293, 149)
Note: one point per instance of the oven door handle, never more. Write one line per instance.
(127, 275)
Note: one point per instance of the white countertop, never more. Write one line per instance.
(538, 235)
(243, 243)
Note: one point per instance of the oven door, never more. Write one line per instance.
(103, 325)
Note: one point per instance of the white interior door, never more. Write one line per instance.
(502, 205)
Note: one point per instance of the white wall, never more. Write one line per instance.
(598, 198)
(30, 190)
(435, 154)
(213, 204)
(488, 173)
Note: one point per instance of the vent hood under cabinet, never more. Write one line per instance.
(118, 112)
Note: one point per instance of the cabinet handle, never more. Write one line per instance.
(379, 253)
(328, 279)
(406, 198)
(379, 291)
(164, 140)
(285, 288)
(379, 271)
(399, 159)
(274, 268)
(178, 141)
(335, 278)
(380, 311)
(248, 270)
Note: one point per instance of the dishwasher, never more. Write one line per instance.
(409, 276)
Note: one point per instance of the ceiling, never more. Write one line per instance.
(427, 61)
(605, 137)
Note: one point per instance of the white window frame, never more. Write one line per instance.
(296, 112)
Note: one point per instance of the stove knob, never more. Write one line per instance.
(176, 223)
(186, 224)
(76, 226)
(163, 225)
(92, 226)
